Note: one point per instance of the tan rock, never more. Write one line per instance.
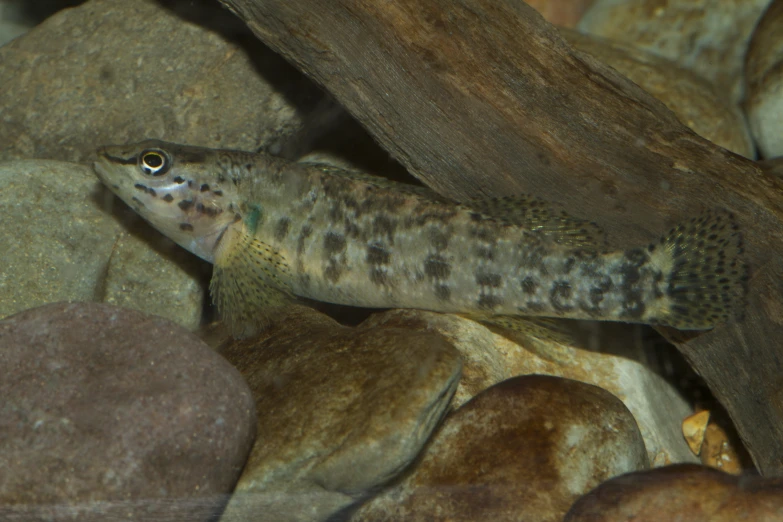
(709, 37)
(696, 102)
(565, 13)
(764, 73)
(119, 71)
(693, 429)
(491, 358)
(521, 450)
(340, 411)
(682, 492)
(719, 452)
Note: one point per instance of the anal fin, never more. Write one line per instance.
(250, 282)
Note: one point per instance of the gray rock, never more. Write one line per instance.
(111, 414)
(524, 449)
(62, 243)
(340, 411)
(120, 71)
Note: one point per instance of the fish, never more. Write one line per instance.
(279, 231)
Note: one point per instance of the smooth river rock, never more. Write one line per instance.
(525, 449)
(65, 239)
(683, 492)
(696, 102)
(709, 37)
(491, 358)
(341, 411)
(764, 73)
(119, 71)
(110, 414)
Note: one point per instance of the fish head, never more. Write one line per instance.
(185, 192)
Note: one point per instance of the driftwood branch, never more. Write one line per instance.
(484, 97)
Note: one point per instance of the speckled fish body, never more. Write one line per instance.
(275, 228)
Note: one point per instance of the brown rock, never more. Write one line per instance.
(764, 73)
(340, 411)
(523, 450)
(696, 102)
(120, 71)
(491, 358)
(112, 414)
(565, 13)
(682, 492)
(710, 38)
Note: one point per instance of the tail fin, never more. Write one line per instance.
(707, 278)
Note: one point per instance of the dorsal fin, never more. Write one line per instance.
(530, 212)
(539, 216)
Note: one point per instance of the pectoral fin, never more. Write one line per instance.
(249, 283)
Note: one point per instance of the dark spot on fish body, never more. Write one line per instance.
(489, 280)
(636, 256)
(333, 271)
(379, 276)
(438, 239)
(186, 227)
(281, 228)
(633, 305)
(488, 302)
(485, 252)
(351, 229)
(559, 295)
(377, 254)
(528, 285)
(304, 233)
(179, 180)
(333, 244)
(532, 307)
(185, 204)
(383, 225)
(168, 198)
(436, 267)
(596, 296)
(484, 234)
(204, 187)
(442, 292)
(217, 192)
(139, 186)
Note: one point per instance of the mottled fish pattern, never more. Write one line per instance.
(276, 230)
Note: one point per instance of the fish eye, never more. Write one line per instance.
(154, 162)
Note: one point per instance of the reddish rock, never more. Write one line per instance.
(112, 414)
(565, 13)
(682, 492)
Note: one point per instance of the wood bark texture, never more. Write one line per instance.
(483, 97)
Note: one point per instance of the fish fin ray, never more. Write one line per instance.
(707, 277)
(250, 282)
(541, 217)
